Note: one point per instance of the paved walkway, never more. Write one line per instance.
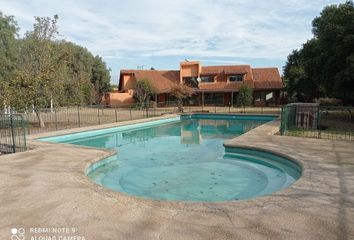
(46, 188)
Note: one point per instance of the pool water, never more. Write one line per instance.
(185, 160)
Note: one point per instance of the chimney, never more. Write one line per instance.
(189, 69)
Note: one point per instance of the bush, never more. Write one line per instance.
(144, 90)
(245, 96)
(180, 92)
(329, 101)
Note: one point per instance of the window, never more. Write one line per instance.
(234, 97)
(207, 79)
(190, 81)
(192, 100)
(236, 78)
(213, 98)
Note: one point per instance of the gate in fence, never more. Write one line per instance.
(300, 115)
(12, 133)
(313, 120)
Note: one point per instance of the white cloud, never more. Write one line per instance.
(157, 28)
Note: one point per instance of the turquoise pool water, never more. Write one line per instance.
(185, 160)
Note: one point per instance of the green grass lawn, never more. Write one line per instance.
(333, 124)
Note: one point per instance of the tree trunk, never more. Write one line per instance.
(180, 105)
(40, 119)
(99, 99)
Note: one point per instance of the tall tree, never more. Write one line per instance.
(300, 73)
(48, 69)
(100, 79)
(324, 66)
(77, 89)
(334, 29)
(8, 51)
(38, 79)
(294, 75)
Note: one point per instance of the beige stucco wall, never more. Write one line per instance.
(116, 98)
(189, 69)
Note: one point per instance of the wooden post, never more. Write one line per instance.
(12, 134)
(232, 98)
(98, 115)
(78, 116)
(55, 119)
(202, 99)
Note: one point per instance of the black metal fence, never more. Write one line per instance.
(80, 116)
(328, 122)
(214, 107)
(12, 133)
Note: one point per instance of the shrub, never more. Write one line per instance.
(245, 96)
(329, 101)
(144, 90)
(181, 92)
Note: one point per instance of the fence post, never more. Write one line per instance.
(28, 125)
(215, 108)
(55, 119)
(115, 113)
(12, 133)
(24, 133)
(98, 115)
(282, 122)
(78, 115)
(130, 109)
(319, 121)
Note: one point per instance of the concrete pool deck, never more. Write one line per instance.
(46, 187)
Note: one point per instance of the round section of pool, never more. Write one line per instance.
(192, 165)
(240, 174)
(185, 160)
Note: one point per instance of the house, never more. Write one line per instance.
(211, 84)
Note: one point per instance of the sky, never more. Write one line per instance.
(162, 33)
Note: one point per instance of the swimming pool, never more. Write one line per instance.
(183, 159)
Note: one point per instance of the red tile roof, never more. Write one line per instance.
(223, 86)
(267, 78)
(162, 80)
(257, 78)
(228, 70)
